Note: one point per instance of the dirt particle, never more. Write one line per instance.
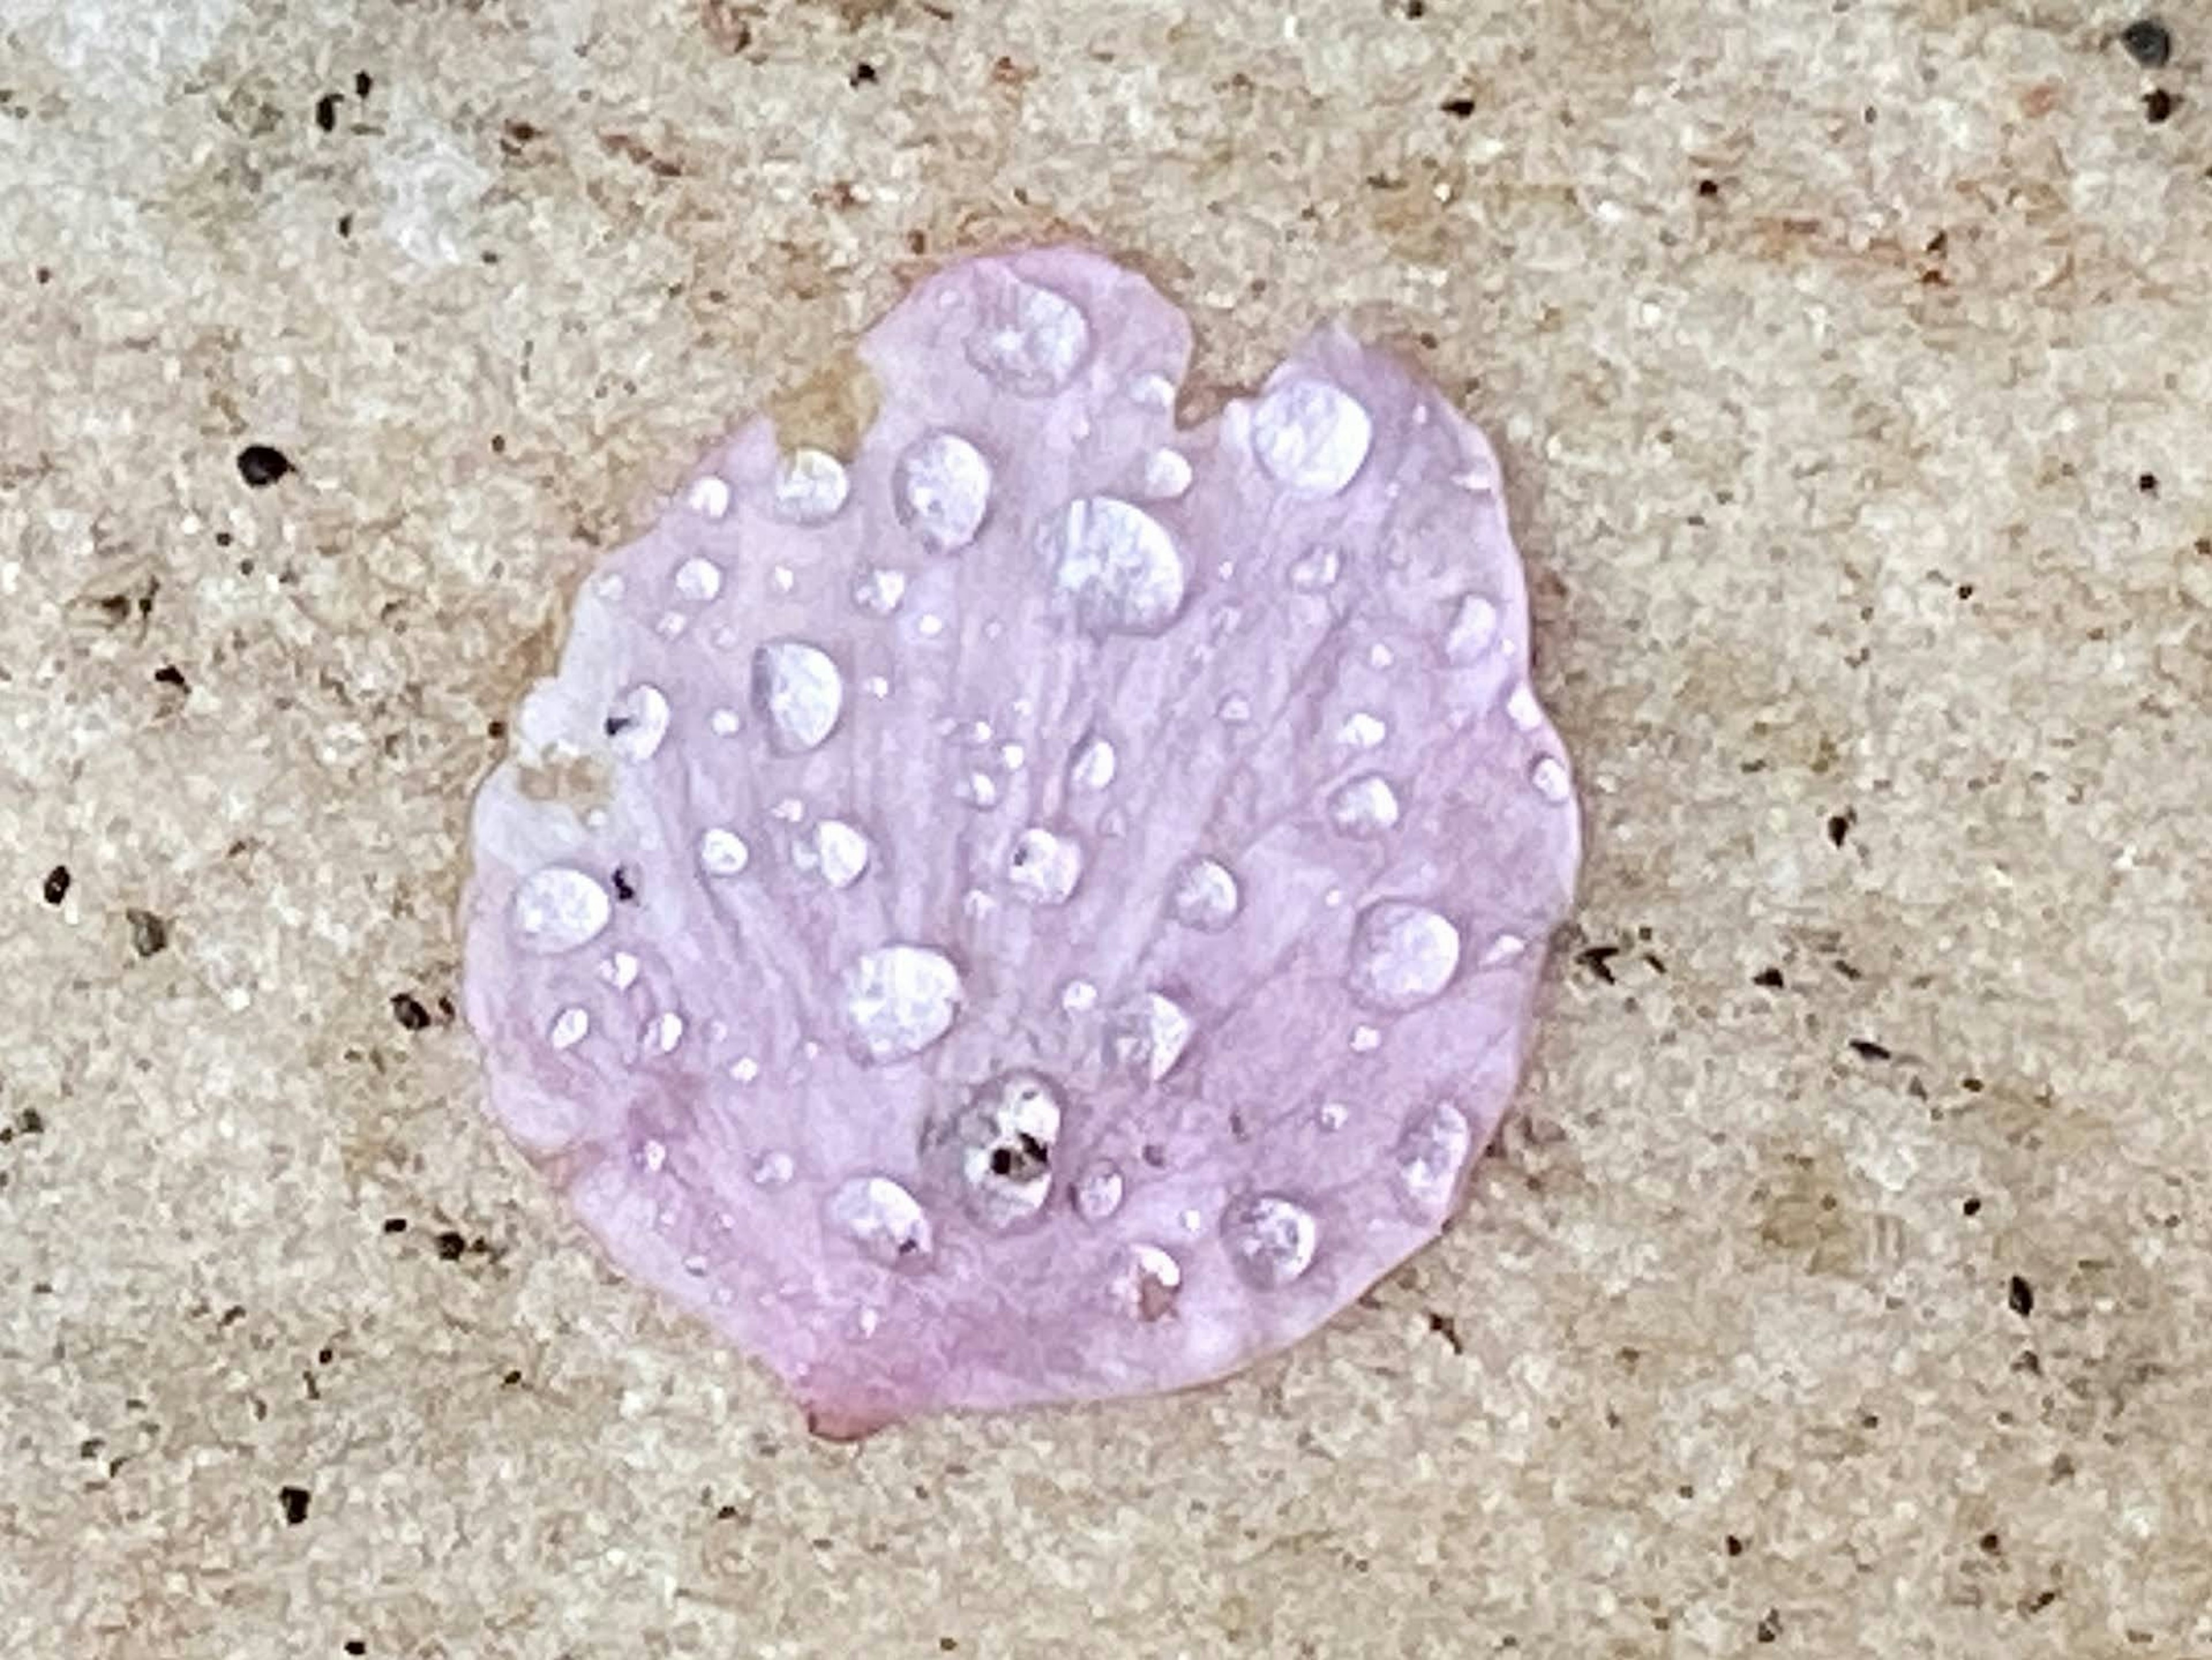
(1839, 827)
(2149, 42)
(450, 1245)
(409, 1011)
(2019, 1297)
(1460, 108)
(149, 934)
(2158, 105)
(1770, 978)
(2147, 483)
(262, 464)
(326, 110)
(55, 887)
(294, 1501)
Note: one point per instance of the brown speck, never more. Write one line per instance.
(362, 83)
(170, 675)
(1769, 977)
(1459, 107)
(864, 74)
(1598, 960)
(1770, 1625)
(1867, 1049)
(326, 110)
(294, 1501)
(2147, 483)
(55, 887)
(409, 1011)
(2019, 1297)
(2040, 98)
(450, 1245)
(1840, 826)
(2158, 105)
(1709, 188)
(726, 24)
(1448, 1329)
(149, 934)
(262, 464)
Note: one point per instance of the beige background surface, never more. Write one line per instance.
(1849, 364)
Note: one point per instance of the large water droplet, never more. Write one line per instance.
(885, 1221)
(1098, 1190)
(698, 580)
(1166, 474)
(557, 909)
(1147, 1283)
(1149, 1036)
(798, 691)
(994, 1150)
(940, 490)
(1432, 1151)
(1027, 338)
(1402, 955)
(1045, 868)
(811, 485)
(899, 999)
(1365, 806)
(1270, 1239)
(1117, 566)
(1310, 435)
(1206, 896)
(723, 852)
(637, 722)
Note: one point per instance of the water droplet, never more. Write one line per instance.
(709, 497)
(798, 691)
(772, 1169)
(636, 721)
(879, 590)
(1362, 731)
(1310, 435)
(651, 1156)
(724, 723)
(1234, 710)
(994, 1149)
(840, 852)
(940, 490)
(1166, 474)
(1078, 997)
(1152, 391)
(619, 970)
(883, 1219)
(723, 852)
(1271, 1240)
(1045, 868)
(568, 1029)
(745, 1069)
(698, 580)
(1473, 629)
(1521, 708)
(1206, 896)
(1549, 775)
(1147, 1283)
(979, 790)
(789, 811)
(1365, 806)
(899, 999)
(672, 624)
(663, 1032)
(1116, 565)
(1094, 766)
(1334, 1116)
(558, 909)
(1098, 1190)
(1432, 1151)
(1506, 948)
(1365, 1040)
(1027, 338)
(1402, 955)
(1149, 1036)
(1380, 656)
(811, 485)
(1316, 571)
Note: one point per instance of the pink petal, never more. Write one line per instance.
(1049, 908)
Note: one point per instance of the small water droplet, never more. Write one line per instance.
(1094, 766)
(1234, 710)
(1310, 435)
(1152, 391)
(723, 852)
(1115, 566)
(724, 723)
(1473, 629)
(672, 624)
(637, 722)
(1334, 1116)
(1506, 948)
(558, 909)
(1432, 1151)
(878, 590)
(1365, 1040)
(1316, 571)
(1149, 1036)
(709, 497)
(811, 485)
(1380, 656)
(1166, 474)
(1098, 1190)
(940, 490)
(883, 1219)
(1521, 708)
(663, 1032)
(1013, 756)
(1365, 806)
(745, 1069)
(1045, 868)
(619, 970)
(1549, 775)
(1271, 1239)
(1402, 955)
(899, 999)
(840, 852)
(1147, 1283)
(1206, 896)
(772, 1169)
(1362, 731)
(1078, 997)
(994, 1151)
(789, 811)
(698, 580)
(798, 691)
(1027, 338)
(568, 1029)
(651, 1156)
(979, 790)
